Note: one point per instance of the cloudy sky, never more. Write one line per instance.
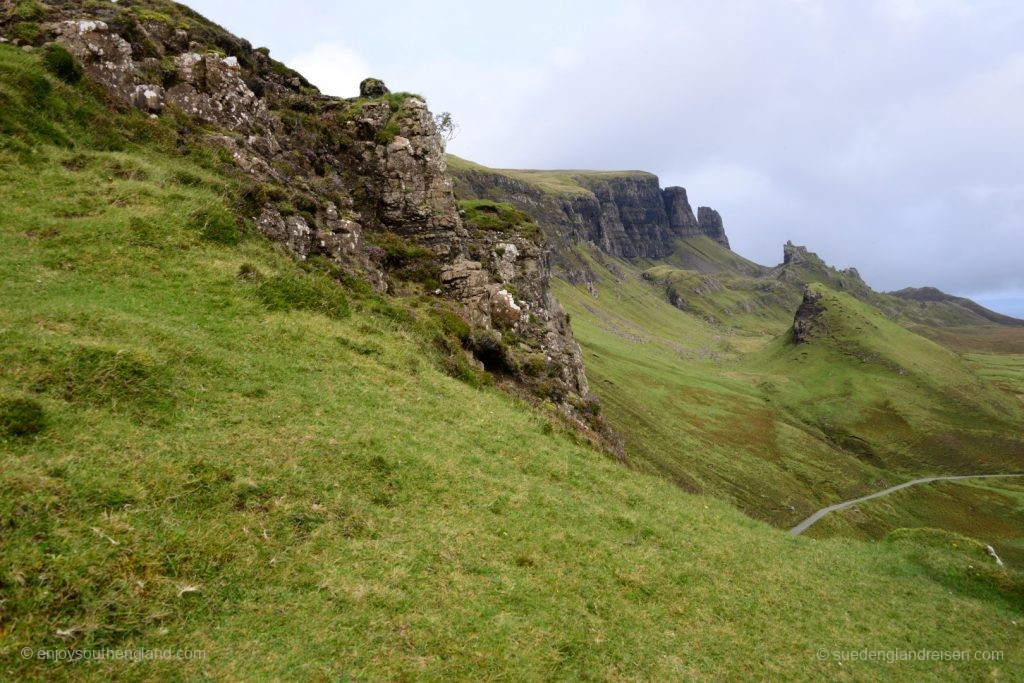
(883, 134)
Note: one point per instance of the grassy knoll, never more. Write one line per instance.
(279, 474)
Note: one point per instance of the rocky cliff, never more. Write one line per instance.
(361, 182)
(627, 214)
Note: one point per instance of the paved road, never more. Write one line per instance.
(802, 526)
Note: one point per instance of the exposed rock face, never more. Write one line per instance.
(106, 56)
(709, 223)
(680, 216)
(800, 266)
(631, 216)
(510, 261)
(211, 89)
(808, 322)
(796, 255)
(405, 180)
(331, 176)
(627, 215)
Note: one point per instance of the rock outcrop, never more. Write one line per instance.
(626, 214)
(709, 222)
(330, 177)
(809, 322)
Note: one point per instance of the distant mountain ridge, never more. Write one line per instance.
(927, 295)
(626, 214)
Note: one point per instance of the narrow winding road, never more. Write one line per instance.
(802, 526)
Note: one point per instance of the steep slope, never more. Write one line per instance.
(715, 398)
(239, 455)
(360, 183)
(691, 354)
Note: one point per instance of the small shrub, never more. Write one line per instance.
(453, 325)
(303, 292)
(458, 366)
(252, 199)
(407, 261)
(61, 63)
(589, 406)
(28, 10)
(388, 133)
(398, 252)
(26, 31)
(216, 224)
(20, 417)
(36, 87)
(187, 178)
(535, 364)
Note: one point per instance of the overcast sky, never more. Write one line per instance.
(883, 134)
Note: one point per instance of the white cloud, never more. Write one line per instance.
(332, 67)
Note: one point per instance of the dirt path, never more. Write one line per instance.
(802, 526)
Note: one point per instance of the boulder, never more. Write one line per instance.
(373, 87)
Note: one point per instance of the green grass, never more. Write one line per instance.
(716, 398)
(559, 182)
(304, 493)
(483, 214)
(20, 417)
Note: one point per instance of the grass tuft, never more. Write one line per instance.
(21, 417)
(61, 63)
(122, 380)
(216, 224)
(300, 292)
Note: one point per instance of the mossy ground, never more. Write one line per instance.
(485, 215)
(309, 496)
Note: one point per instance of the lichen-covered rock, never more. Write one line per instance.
(149, 98)
(406, 185)
(291, 230)
(504, 311)
(105, 56)
(211, 89)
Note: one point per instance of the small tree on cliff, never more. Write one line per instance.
(446, 126)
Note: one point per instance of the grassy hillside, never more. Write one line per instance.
(713, 394)
(555, 182)
(207, 446)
